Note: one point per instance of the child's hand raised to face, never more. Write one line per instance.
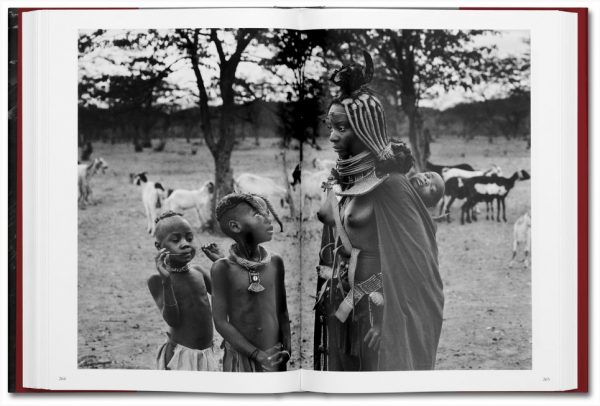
(212, 251)
(161, 264)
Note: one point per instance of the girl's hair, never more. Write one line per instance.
(234, 199)
(167, 214)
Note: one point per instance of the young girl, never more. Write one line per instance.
(180, 291)
(249, 297)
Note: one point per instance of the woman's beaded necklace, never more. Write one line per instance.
(356, 167)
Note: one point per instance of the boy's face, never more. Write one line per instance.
(255, 225)
(429, 186)
(176, 235)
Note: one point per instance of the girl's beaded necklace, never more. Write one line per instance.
(251, 266)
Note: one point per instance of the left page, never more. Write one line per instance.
(175, 110)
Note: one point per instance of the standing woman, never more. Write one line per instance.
(380, 297)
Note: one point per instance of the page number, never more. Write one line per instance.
(546, 379)
(62, 378)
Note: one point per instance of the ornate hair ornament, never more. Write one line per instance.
(352, 79)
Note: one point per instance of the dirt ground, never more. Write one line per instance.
(487, 315)
(119, 324)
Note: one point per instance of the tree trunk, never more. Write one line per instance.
(415, 133)
(221, 150)
(287, 183)
(416, 140)
(223, 183)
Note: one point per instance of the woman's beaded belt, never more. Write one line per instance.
(373, 284)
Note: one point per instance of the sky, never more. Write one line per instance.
(96, 63)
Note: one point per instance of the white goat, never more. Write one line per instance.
(323, 164)
(250, 183)
(522, 236)
(199, 199)
(448, 173)
(312, 190)
(153, 195)
(85, 173)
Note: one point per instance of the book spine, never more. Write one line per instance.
(13, 37)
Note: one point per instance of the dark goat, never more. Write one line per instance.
(438, 168)
(488, 188)
(455, 188)
(296, 177)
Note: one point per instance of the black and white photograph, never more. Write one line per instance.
(263, 200)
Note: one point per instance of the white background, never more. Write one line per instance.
(547, 399)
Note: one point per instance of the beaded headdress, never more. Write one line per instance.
(366, 116)
(364, 110)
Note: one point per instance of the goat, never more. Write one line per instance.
(255, 184)
(199, 199)
(454, 185)
(312, 189)
(85, 173)
(439, 168)
(482, 188)
(296, 177)
(522, 236)
(153, 195)
(448, 173)
(323, 164)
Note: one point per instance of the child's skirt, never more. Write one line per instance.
(184, 358)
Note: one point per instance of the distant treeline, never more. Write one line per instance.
(509, 118)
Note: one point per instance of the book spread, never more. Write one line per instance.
(325, 199)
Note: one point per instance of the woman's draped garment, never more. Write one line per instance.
(412, 286)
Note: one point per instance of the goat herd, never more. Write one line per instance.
(461, 182)
(475, 186)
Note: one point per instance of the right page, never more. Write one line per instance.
(418, 198)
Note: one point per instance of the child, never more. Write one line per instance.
(180, 292)
(249, 300)
(429, 187)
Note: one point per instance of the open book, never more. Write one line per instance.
(381, 282)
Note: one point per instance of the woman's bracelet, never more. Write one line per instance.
(253, 354)
(288, 354)
(174, 304)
